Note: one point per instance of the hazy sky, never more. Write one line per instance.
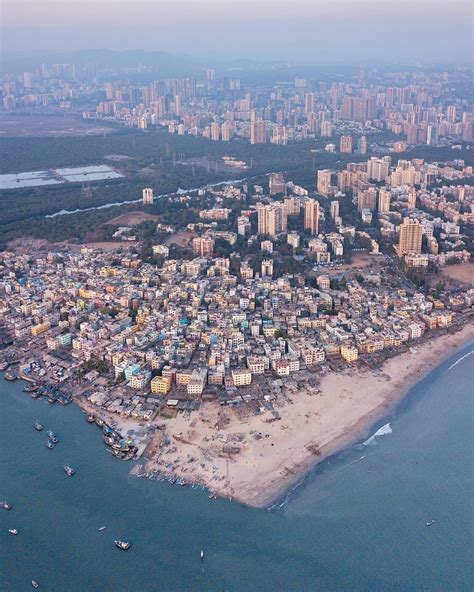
(309, 31)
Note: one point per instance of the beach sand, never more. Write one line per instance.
(266, 459)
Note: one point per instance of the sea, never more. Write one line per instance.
(357, 522)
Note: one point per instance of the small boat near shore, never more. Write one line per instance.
(13, 531)
(90, 418)
(11, 376)
(3, 366)
(38, 426)
(69, 470)
(124, 545)
(99, 421)
(30, 388)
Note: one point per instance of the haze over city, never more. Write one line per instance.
(302, 31)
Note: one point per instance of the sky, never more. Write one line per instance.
(301, 31)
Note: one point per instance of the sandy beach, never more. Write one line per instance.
(255, 462)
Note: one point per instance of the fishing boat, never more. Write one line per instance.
(102, 528)
(90, 418)
(99, 421)
(124, 545)
(51, 434)
(11, 376)
(49, 444)
(430, 523)
(54, 440)
(30, 388)
(202, 555)
(13, 531)
(38, 426)
(5, 505)
(69, 470)
(34, 583)
(35, 394)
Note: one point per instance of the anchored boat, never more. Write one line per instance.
(124, 545)
(69, 470)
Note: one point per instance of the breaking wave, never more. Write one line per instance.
(461, 359)
(383, 431)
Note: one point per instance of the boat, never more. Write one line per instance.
(430, 523)
(202, 555)
(124, 545)
(69, 470)
(34, 583)
(13, 531)
(90, 418)
(38, 426)
(35, 394)
(31, 388)
(99, 421)
(11, 376)
(5, 505)
(54, 440)
(3, 366)
(102, 528)
(50, 444)
(51, 434)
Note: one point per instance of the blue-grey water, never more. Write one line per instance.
(356, 523)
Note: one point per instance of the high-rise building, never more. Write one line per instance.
(345, 144)
(410, 237)
(272, 219)
(362, 145)
(215, 131)
(451, 113)
(334, 209)
(384, 201)
(311, 216)
(258, 132)
(309, 103)
(203, 246)
(147, 195)
(323, 185)
(412, 198)
(226, 131)
(326, 129)
(210, 74)
(378, 168)
(367, 200)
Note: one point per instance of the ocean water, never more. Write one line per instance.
(357, 522)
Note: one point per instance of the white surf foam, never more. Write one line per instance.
(461, 359)
(383, 431)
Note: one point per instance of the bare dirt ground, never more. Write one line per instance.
(14, 126)
(180, 238)
(133, 218)
(462, 273)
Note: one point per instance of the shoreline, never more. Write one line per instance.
(361, 430)
(313, 428)
(314, 425)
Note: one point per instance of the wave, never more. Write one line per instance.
(460, 359)
(383, 431)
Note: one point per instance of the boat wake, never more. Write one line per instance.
(383, 431)
(461, 359)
